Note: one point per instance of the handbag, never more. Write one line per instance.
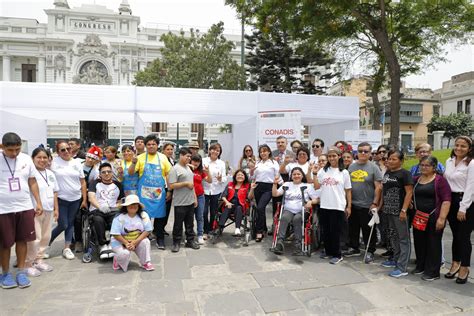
(420, 220)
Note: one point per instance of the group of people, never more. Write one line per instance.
(131, 197)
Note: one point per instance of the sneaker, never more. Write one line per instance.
(335, 260)
(43, 267)
(22, 279)
(323, 255)
(201, 240)
(8, 282)
(192, 244)
(351, 253)
(148, 266)
(33, 272)
(160, 244)
(279, 248)
(110, 254)
(387, 254)
(103, 252)
(79, 247)
(397, 273)
(175, 247)
(418, 271)
(389, 264)
(115, 264)
(67, 254)
(237, 232)
(369, 258)
(429, 278)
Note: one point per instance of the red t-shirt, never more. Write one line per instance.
(198, 177)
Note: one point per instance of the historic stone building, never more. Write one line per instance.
(91, 44)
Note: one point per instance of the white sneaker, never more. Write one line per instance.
(43, 267)
(33, 272)
(237, 232)
(67, 253)
(201, 240)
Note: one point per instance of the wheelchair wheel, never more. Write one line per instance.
(253, 222)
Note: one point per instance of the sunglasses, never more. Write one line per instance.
(316, 146)
(382, 152)
(363, 151)
(63, 150)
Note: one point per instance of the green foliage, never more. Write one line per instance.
(194, 61)
(442, 155)
(453, 125)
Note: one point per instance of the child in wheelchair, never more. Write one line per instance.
(104, 196)
(295, 209)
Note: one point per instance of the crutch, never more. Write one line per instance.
(277, 222)
(303, 235)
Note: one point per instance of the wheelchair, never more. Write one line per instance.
(248, 223)
(89, 238)
(311, 237)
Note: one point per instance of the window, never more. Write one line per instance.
(30, 30)
(468, 106)
(16, 29)
(195, 127)
(3, 28)
(459, 110)
(159, 127)
(436, 110)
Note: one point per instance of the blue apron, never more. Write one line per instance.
(129, 182)
(151, 189)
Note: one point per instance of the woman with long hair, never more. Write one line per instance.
(110, 153)
(129, 182)
(247, 161)
(200, 175)
(460, 175)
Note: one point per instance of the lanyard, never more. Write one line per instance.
(45, 177)
(8, 165)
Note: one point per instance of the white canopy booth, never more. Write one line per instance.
(327, 116)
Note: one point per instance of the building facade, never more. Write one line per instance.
(91, 44)
(457, 94)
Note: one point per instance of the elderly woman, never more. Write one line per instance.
(302, 161)
(431, 199)
(424, 150)
(460, 175)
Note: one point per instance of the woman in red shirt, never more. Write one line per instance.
(200, 174)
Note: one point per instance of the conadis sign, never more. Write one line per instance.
(272, 124)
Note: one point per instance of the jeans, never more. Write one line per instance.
(237, 210)
(210, 209)
(199, 214)
(296, 219)
(67, 214)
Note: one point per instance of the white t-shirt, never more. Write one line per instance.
(47, 185)
(314, 159)
(215, 167)
(292, 165)
(333, 184)
(18, 200)
(266, 171)
(293, 197)
(69, 175)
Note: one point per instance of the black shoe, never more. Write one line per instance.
(160, 244)
(429, 278)
(192, 244)
(450, 275)
(175, 247)
(297, 246)
(279, 248)
(387, 254)
(418, 271)
(270, 232)
(351, 253)
(462, 281)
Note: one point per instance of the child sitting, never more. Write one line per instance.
(129, 231)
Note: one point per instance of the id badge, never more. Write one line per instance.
(50, 193)
(14, 184)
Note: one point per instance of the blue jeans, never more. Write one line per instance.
(199, 214)
(67, 214)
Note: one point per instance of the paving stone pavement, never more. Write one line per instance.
(230, 279)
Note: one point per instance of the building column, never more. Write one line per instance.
(6, 67)
(41, 69)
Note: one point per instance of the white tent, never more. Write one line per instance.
(327, 116)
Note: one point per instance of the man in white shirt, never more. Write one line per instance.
(317, 148)
(17, 180)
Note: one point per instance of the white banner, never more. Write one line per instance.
(355, 137)
(272, 124)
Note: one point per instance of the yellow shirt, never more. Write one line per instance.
(153, 159)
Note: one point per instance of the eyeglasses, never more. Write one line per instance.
(316, 146)
(363, 151)
(106, 171)
(65, 149)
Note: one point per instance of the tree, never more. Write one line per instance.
(453, 125)
(196, 60)
(409, 33)
(278, 63)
